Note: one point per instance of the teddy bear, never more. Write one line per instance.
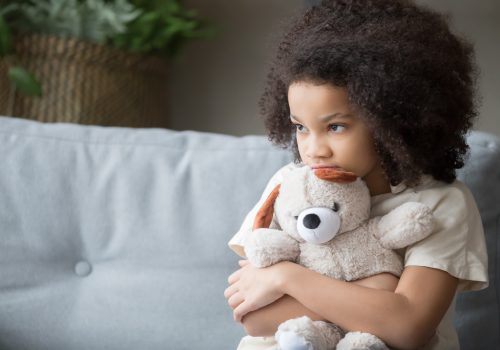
(320, 218)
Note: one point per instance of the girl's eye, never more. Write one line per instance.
(300, 128)
(336, 128)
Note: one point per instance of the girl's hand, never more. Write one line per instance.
(252, 288)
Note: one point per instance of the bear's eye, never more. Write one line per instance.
(318, 225)
(335, 206)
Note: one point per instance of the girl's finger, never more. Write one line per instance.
(241, 310)
(235, 276)
(235, 300)
(243, 263)
(230, 291)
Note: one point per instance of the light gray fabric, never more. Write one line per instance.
(478, 318)
(116, 238)
(151, 211)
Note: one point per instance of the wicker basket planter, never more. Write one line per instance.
(87, 83)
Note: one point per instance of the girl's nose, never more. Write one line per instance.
(318, 148)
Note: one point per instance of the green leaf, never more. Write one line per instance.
(24, 81)
(148, 26)
(5, 38)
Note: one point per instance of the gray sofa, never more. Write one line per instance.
(115, 238)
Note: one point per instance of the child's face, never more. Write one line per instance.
(328, 134)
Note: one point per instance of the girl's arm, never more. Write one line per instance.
(265, 321)
(406, 318)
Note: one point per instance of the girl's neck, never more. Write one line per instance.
(377, 182)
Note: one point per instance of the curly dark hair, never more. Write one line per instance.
(411, 80)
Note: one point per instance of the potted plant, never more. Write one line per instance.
(91, 61)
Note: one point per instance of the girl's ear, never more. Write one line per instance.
(335, 175)
(265, 214)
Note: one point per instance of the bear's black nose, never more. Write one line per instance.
(311, 221)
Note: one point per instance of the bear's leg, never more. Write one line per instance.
(361, 341)
(302, 333)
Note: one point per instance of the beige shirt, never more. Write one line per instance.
(456, 246)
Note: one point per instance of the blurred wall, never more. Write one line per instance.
(216, 83)
(479, 21)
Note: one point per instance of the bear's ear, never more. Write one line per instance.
(264, 216)
(335, 175)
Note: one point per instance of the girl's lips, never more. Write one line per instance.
(322, 166)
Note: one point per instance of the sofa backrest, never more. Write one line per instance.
(477, 318)
(116, 238)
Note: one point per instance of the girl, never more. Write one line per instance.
(383, 89)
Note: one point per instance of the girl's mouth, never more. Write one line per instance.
(323, 166)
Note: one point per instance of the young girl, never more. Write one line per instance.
(383, 89)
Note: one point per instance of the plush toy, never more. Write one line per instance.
(321, 220)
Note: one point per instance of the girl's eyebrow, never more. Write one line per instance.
(326, 118)
(335, 115)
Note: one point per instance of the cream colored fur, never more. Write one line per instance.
(362, 247)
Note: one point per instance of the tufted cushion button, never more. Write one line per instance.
(83, 268)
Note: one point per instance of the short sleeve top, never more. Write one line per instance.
(456, 245)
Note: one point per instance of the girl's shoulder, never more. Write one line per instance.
(457, 243)
(454, 198)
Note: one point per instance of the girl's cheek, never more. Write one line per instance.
(302, 150)
(302, 154)
(301, 141)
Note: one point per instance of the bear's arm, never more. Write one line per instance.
(265, 247)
